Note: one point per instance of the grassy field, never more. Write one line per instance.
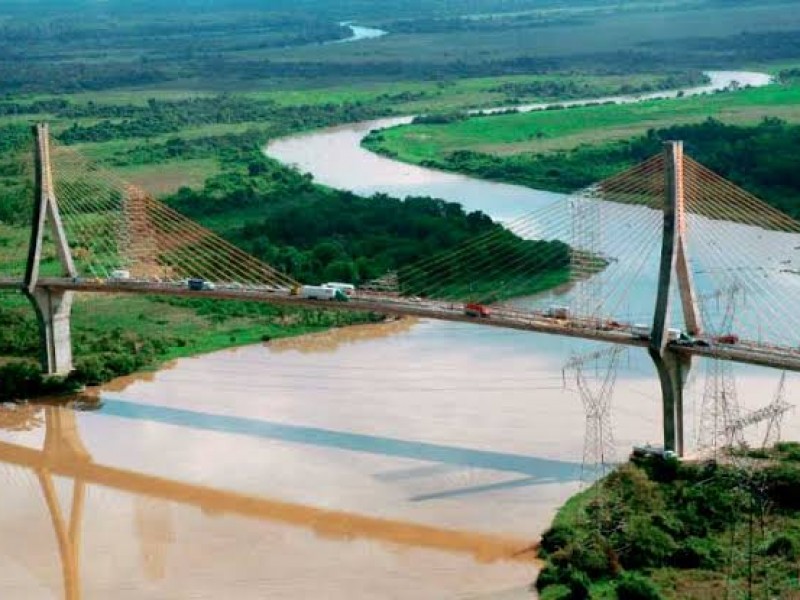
(168, 177)
(545, 131)
(409, 97)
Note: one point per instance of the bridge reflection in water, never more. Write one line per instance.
(64, 455)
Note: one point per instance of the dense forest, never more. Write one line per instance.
(657, 528)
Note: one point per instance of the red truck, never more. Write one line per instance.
(476, 310)
(729, 338)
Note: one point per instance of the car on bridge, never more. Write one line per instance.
(473, 309)
(196, 284)
(557, 312)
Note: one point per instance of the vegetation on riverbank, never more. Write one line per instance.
(658, 528)
(118, 335)
(573, 148)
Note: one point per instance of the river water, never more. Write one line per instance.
(359, 32)
(411, 459)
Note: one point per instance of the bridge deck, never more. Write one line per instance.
(588, 329)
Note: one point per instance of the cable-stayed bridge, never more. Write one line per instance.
(622, 253)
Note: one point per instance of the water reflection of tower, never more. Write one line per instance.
(154, 526)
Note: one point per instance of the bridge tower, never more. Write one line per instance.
(53, 308)
(673, 368)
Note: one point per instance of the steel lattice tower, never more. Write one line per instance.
(719, 410)
(586, 228)
(598, 445)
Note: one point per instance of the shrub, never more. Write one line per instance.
(579, 585)
(91, 370)
(633, 586)
(19, 380)
(556, 538)
(697, 553)
(24, 380)
(586, 556)
(783, 485)
(550, 575)
(782, 545)
(646, 545)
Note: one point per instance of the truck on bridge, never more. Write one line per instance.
(347, 288)
(319, 292)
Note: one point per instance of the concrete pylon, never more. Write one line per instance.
(53, 308)
(673, 368)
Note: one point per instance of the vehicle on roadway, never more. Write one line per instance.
(649, 451)
(687, 340)
(641, 331)
(197, 284)
(319, 292)
(347, 288)
(728, 338)
(120, 275)
(473, 309)
(557, 312)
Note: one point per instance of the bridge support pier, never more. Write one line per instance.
(673, 369)
(53, 308)
(53, 311)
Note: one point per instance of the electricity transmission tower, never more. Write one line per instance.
(772, 414)
(585, 255)
(596, 391)
(720, 406)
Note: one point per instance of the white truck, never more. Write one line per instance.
(347, 288)
(642, 332)
(320, 292)
(120, 275)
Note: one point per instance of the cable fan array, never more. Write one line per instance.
(736, 241)
(596, 243)
(113, 225)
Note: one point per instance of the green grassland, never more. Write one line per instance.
(544, 131)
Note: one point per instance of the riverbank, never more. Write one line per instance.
(115, 336)
(565, 148)
(658, 528)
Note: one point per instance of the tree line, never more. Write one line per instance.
(761, 158)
